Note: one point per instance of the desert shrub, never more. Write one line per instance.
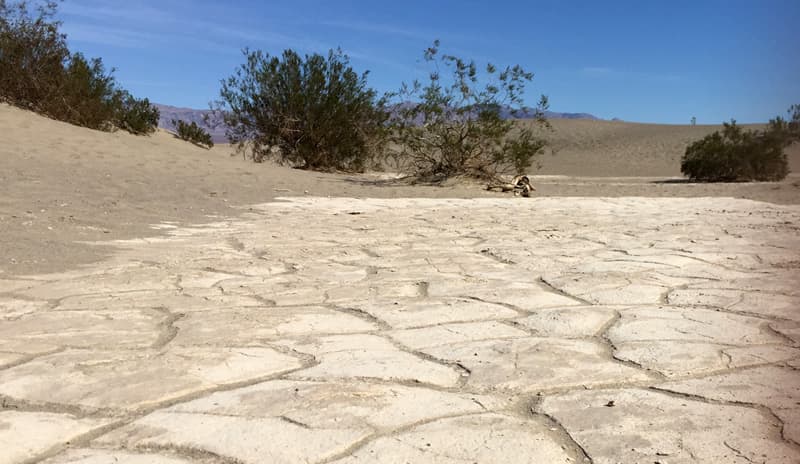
(192, 133)
(794, 122)
(38, 72)
(135, 115)
(33, 54)
(735, 154)
(87, 94)
(785, 131)
(314, 112)
(456, 125)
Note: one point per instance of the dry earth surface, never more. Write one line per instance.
(418, 330)
(61, 185)
(348, 330)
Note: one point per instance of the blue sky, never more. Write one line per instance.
(647, 61)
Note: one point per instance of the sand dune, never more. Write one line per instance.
(612, 148)
(62, 185)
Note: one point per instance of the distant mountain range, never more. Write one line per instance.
(531, 113)
(554, 115)
(215, 126)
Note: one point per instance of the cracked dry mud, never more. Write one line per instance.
(448, 331)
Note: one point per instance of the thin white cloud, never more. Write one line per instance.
(378, 29)
(147, 25)
(105, 11)
(597, 71)
(100, 22)
(612, 73)
(155, 84)
(103, 35)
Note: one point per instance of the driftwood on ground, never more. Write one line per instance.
(520, 185)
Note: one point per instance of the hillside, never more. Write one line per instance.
(62, 186)
(614, 148)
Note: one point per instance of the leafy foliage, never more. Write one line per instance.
(314, 112)
(736, 154)
(453, 125)
(38, 72)
(86, 96)
(785, 131)
(33, 54)
(137, 116)
(193, 133)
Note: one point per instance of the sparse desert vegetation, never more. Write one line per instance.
(318, 113)
(373, 288)
(312, 111)
(451, 124)
(193, 133)
(40, 73)
(737, 154)
(98, 186)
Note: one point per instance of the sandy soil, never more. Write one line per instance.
(62, 186)
(585, 147)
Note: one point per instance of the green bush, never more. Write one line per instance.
(38, 72)
(192, 133)
(785, 131)
(137, 116)
(736, 154)
(455, 125)
(314, 112)
(88, 96)
(33, 55)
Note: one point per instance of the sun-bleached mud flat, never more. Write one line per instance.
(553, 330)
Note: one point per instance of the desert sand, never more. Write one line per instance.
(584, 147)
(160, 303)
(61, 185)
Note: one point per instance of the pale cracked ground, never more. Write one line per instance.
(446, 331)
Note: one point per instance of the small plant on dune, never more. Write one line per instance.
(736, 154)
(192, 133)
(454, 124)
(314, 112)
(786, 131)
(38, 72)
(135, 115)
